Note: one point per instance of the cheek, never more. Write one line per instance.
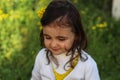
(68, 45)
(46, 43)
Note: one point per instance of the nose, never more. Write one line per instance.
(53, 44)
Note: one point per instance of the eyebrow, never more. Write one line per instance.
(45, 35)
(56, 37)
(61, 37)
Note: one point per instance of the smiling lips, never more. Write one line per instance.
(55, 49)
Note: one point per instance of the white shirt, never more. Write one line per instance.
(83, 70)
(62, 60)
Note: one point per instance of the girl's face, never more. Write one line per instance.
(58, 39)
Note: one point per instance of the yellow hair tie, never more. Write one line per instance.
(40, 15)
(41, 12)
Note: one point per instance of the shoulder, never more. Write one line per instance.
(90, 68)
(42, 52)
(41, 55)
(89, 65)
(90, 61)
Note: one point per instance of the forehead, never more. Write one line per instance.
(54, 29)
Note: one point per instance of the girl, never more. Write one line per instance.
(63, 57)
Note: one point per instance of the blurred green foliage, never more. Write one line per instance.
(19, 36)
(103, 36)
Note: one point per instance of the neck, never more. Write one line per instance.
(61, 59)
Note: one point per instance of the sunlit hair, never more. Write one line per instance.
(63, 12)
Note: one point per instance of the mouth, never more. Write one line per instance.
(55, 50)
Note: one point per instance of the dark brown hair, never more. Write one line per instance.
(68, 14)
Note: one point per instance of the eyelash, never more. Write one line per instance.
(60, 39)
(47, 37)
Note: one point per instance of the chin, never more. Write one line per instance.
(57, 53)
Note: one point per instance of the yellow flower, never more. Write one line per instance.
(102, 25)
(8, 54)
(40, 15)
(22, 0)
(3, 0)
(105, 24)
(93, 27)
(1, 11)
(99, 18)
(41, 28)
(41, 12)
(4, 16)
(83, 12)
(1, 18)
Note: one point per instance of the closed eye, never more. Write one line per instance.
(60, 38)
(47, 37)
